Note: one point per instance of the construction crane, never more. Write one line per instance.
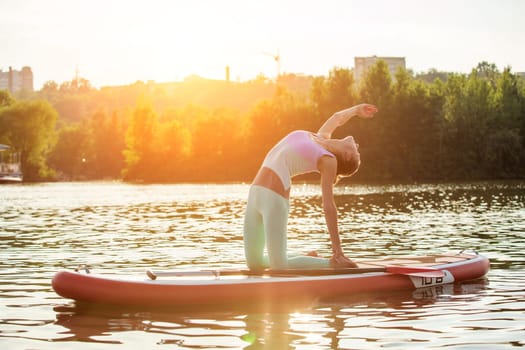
(277, 59)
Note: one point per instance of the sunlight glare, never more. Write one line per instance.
(187, 40)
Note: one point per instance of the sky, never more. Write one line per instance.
(117, 42)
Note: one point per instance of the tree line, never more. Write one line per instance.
(430, 127)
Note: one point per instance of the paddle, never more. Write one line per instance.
(399, 270)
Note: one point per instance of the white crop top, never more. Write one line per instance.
(297, 153)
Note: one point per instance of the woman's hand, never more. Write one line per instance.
(341, 261)
(366, 110)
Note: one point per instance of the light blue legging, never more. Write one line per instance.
(265, 224)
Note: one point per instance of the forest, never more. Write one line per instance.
(430, 127)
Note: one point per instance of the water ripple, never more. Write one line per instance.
(121, 228)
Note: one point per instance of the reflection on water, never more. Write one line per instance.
(350, 322)
(118, 228)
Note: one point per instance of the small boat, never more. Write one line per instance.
(213, 287)
(10, 167)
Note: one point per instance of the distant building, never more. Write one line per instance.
(362, 64)
(14, 80)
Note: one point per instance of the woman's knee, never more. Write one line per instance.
(255, 261)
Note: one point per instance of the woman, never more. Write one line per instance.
(299, 152)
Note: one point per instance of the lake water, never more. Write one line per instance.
(125, 228)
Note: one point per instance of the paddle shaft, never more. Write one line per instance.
(403, 270)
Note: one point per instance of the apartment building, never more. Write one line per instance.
(14, 80)
(362, 64)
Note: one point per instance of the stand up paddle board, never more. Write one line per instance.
(206, 287)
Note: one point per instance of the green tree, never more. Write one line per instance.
(469, 110)
(5, 98)
(213, 145)
(376, 86)
(487, 71)
(172, 151)
(139, 151)
(5, 101)
(264, 130)
(29, 127)
(431, 75)
(413, 129)
(76, 86)
(70, 156)
(334, 93)
(435, 125)
(504, 154)
(50, 91)
(374, 135)
(107, 142)
(509, 101)
(505, 150)
(271, 120)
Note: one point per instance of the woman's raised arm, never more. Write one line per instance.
(363, 110)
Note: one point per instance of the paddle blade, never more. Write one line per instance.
(415, 271)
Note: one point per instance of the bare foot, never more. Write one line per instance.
(312, 253)
(341, 261)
